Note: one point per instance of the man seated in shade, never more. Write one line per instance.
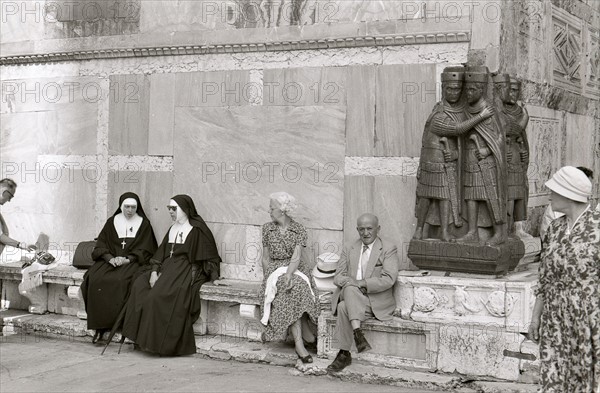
(365, 277)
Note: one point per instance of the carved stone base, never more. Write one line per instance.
(465, 257)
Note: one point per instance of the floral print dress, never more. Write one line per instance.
(288, 307)
(570, 325)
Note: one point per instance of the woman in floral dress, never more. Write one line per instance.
(291, 301)
(566, 316)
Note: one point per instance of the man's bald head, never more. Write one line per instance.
(368, 227)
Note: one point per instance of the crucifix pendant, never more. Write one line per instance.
(123, 244)
(171, 253)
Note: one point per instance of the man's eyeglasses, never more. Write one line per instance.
(172, 208)
(11, 194)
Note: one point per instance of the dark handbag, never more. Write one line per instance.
(83, 255)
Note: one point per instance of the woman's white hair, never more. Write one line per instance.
(287, 203)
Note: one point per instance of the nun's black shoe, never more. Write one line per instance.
(98, 336)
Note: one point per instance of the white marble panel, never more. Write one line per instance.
(580, 140)
(232, 159)
(43, 94)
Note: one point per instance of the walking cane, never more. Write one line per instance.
(116, 326)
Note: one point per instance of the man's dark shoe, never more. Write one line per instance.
(342, 360)
(361, 342)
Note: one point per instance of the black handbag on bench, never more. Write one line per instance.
(83, 255)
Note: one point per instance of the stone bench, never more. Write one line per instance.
(230, 308)
(60, 294)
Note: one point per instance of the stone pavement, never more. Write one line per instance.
(35, 347)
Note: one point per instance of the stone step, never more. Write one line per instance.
(54, 327)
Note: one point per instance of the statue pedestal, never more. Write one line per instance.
(466, 257)
(462, 323)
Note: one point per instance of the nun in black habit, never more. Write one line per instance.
(124, 245)
(165, 302)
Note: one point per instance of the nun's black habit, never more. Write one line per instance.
(105, 288)
(160, 319)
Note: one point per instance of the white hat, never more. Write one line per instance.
(325, 284)
(571, 183)
(326, 265)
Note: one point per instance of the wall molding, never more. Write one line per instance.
(349, 42)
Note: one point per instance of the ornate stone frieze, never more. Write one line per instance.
(567, 48)
(464, 302)
(500, 304)
(350, 42)
(426, 299)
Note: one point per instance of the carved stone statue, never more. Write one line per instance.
(517, 157)
(438, 185)
(462, 177)
(484, 171)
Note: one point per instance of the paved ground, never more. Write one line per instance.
(34, 363)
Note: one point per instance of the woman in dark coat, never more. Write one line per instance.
(125, 244)
(165, 302)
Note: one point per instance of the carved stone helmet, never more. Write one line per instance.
(501, 78)
(453, 74)
(477, 74)
(515, 82)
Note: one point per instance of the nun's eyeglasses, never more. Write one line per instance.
(172, 208)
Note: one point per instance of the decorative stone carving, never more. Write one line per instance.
(593, 63)
(500, 303)
(464, 302)
(545, 138)
(426, 299)
(567, 34)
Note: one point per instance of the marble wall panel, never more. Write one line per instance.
(240, 248)
(394, 204)
(239, 159)
(360, 120)
(63, 131)
(321, 241)
(54, 201)
(169, 16)
(406, 94)
(22, 137)
(46, 94)
(129, 115)
(17, 26)
(154, 189)
(232, 244)
(218, 88)
(358, 199)
(580, 140)
(545, 136)
(162, 112)
(305, 86)
(76, 130)
(486, 24)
